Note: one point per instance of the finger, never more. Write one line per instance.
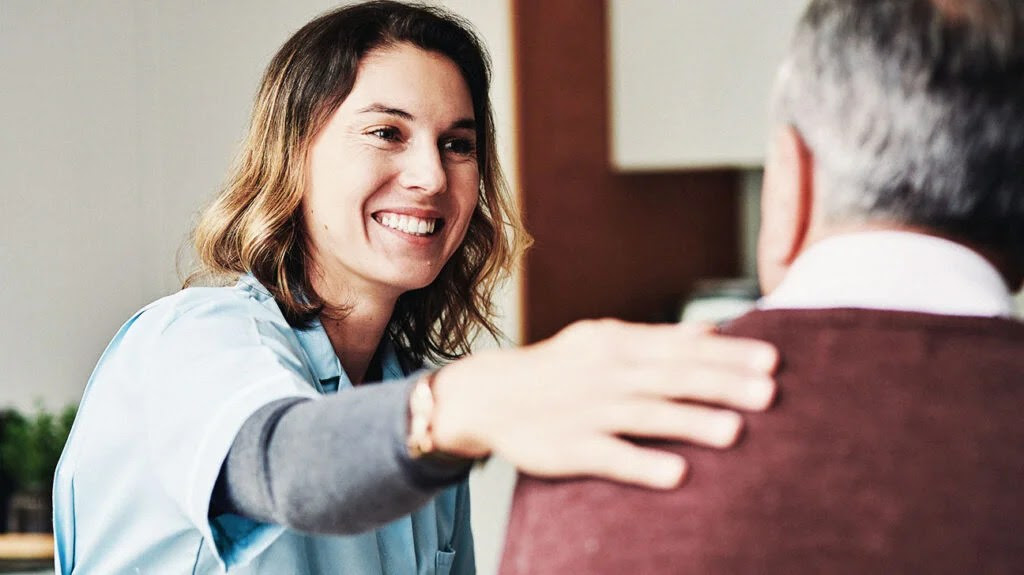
(693, 344)
(747, 355)
(705, 384)
(619, 460)
(695, 327)
(697, 424)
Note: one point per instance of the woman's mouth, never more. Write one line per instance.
(408, 224)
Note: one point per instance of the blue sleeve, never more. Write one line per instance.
(207, 366)
(335, 466)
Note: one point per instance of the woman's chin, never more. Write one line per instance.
(408, 283)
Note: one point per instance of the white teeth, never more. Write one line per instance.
(408, 224)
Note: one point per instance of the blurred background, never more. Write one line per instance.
(631, 131)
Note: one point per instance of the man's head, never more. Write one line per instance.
(899, 114)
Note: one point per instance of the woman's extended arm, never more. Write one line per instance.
(557, 408)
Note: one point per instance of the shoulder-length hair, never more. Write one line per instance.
(256, 224)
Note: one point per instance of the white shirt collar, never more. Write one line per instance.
(894, 271)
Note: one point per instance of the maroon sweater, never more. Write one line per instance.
(896, 446)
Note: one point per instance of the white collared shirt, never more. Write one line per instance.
(893, 270)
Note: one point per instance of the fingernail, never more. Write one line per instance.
(669, 473)
(766, 359)
(729, 425)
(760, 392)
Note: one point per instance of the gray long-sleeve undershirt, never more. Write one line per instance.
(336, 465)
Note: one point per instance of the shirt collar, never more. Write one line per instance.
(324, 363)
(895, 271)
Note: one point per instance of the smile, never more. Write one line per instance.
(411, 225)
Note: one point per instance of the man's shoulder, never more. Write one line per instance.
(785, 324)
(851, 344)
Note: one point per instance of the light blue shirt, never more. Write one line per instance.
(158, 417)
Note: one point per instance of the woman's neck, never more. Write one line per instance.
(355, 324)
(355, 338)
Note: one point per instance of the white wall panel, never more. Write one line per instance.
(691, 80)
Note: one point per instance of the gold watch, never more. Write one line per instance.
(420, 442)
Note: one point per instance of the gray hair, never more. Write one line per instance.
(914, 110)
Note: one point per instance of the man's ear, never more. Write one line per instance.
(787, 197)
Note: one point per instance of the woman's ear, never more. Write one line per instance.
(787, 197)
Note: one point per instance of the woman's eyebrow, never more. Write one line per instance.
(464, 124)
(382, 109)
(460, 124)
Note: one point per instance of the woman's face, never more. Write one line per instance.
(393, 176)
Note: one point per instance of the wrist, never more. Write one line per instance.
(454, 423)
(431, 435)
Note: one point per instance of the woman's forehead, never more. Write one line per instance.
(409, 78)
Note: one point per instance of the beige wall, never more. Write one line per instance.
(72, 243)
(120, 119)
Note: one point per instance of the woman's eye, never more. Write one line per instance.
(460, 146)
(387, 134)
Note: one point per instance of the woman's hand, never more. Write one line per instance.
(561, 407)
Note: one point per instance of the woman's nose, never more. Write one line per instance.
(423, 170)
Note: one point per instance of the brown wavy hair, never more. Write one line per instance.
(256, 225)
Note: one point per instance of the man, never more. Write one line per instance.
(892, 237)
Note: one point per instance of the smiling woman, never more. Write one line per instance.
(394, 163)
(280, 420)
(396, 159)
(347, 110)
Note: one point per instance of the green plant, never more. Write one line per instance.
(31, 446)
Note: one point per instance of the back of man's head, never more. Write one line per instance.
(913, 111)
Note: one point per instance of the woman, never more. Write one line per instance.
(363, 230)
